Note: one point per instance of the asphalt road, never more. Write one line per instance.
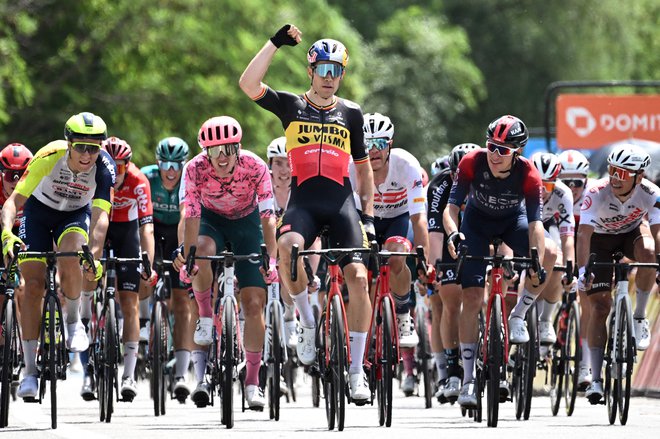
(79, 419)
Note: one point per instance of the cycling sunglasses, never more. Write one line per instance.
(380, 144)
(226, 149)
(335, 70)
(121, 168)
(12, 176)
(167, 165)
(620, 173)
(573, 182)
(85, 147)
(501, 149)
(549, 186)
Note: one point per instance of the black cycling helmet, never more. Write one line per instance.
(458, 153)
(508, 131)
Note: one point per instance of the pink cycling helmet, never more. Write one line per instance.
(219, 130)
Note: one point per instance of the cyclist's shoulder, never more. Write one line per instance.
(151, 171)
(53, 150)
(105, 165)
(349, 104)
(404, 157)
(650, 188)
(562, 191)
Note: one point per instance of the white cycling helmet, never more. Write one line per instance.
(573, 162)
(377, 126)
(458, 152)
(277, 148)
(630, 157)
(548, 165)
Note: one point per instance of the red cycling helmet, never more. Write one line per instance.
(15, 157)
(219, 130)
(118, 149)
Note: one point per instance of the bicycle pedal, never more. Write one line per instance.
(30, 399)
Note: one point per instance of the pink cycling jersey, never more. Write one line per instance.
(232, 197)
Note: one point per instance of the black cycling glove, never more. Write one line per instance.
(282, 38)
(369, 228)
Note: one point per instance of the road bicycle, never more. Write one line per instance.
(333, 345)
(52, 357)
(12, 356)
(620, 351)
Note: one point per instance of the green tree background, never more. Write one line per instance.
(442, 69)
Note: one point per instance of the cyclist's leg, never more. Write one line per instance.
(551, 294)
(643, 250)
(451, 295)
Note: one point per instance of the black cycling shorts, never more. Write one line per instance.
(124, 240)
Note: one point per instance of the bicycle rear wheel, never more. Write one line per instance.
(9, 358)
(229, 350)
(611, 384)
(625, 361)
(386, 363)
(572, 354)
(275, 362)
(494, 361)
(52, 361)
(326, 382)
(109, 360)
(480, 373)
(158, 357)
(338, 359)
(557, 362)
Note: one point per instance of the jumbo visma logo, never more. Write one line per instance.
(306, 134)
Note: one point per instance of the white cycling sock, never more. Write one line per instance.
(182, 357)
(304, 309)
(130, 358)
(469, 354)
(289, 312)
(586, 357)
(30, 356)
(358, 340)
(525, 300)
(144, 308)
(640, 305)
(72, 310)
(441, 364)
(548, 311)
(199, 364)
(86, 304)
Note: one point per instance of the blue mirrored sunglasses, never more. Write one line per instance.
(335, 70)
(166, 166)
(380, 144)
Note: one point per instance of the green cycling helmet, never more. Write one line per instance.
(172, 149)
(86, 126)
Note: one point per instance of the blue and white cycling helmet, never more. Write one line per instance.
(328, 50)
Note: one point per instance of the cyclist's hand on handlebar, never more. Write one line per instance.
(537, 278)
(314, 284)
(453, 240)
(368, 226)
(8, 240)
(271, 276)
(584, 284)
(89, 273)
(287, 35)
(430, 276)
(178, 260)
(569, 286)
(151, 280)
(186, 277)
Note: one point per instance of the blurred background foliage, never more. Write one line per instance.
(441, 69)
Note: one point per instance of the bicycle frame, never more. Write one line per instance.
(274, 307)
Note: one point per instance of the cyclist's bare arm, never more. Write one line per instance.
(365, 189)
(655, 232)
(268, 225)
(9, 209)
(584, 244)
(190, 232)
(147, 240)
(182, 221)
(254, 73)
(421, 234)
(97, 231)
(450, 223)
(537, 238)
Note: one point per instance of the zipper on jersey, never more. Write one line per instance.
(321, 142)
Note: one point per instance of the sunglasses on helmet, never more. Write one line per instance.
(86, 147)
(322, 70)
(167, 165)
(573, 182)
(500, 149)
(226, 149)
(620, 173)
(12, 176)
(380, 144)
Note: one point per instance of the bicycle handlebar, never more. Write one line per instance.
(330, 255)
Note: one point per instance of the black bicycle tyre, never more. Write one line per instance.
(557, 365)
(156, 358)
(423, 355)
(325, 380)
(389, 352)
(274, 376)
(610, 384)
(572, 356)
(110, 359)
(9, 355)
(316, 379)
(228, 359)
(52, 359)
(338, 361)
(624, 362)
(477, 414)
(495, 348)
(531, 358)
(163, 339)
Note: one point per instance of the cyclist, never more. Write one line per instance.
(398, 198)
(611, 220)
(440, 164)
(65, 194)
(165, 180)
(574, 171)
(280, 173)
(446, 295)
(497, 180)
(323, 131)
(229, 200)
(559, 221)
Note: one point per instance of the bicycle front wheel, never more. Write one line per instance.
(109, 360)
(572, 354)
(388, 361)
(494, 361)
(625, 360)
(338, 359)
(158, 352)
(422, 352)
(274, 371)
(557, 362)
(229, 350)
(611, 383)
(53, 333)
(531, 352)
(9, 358)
